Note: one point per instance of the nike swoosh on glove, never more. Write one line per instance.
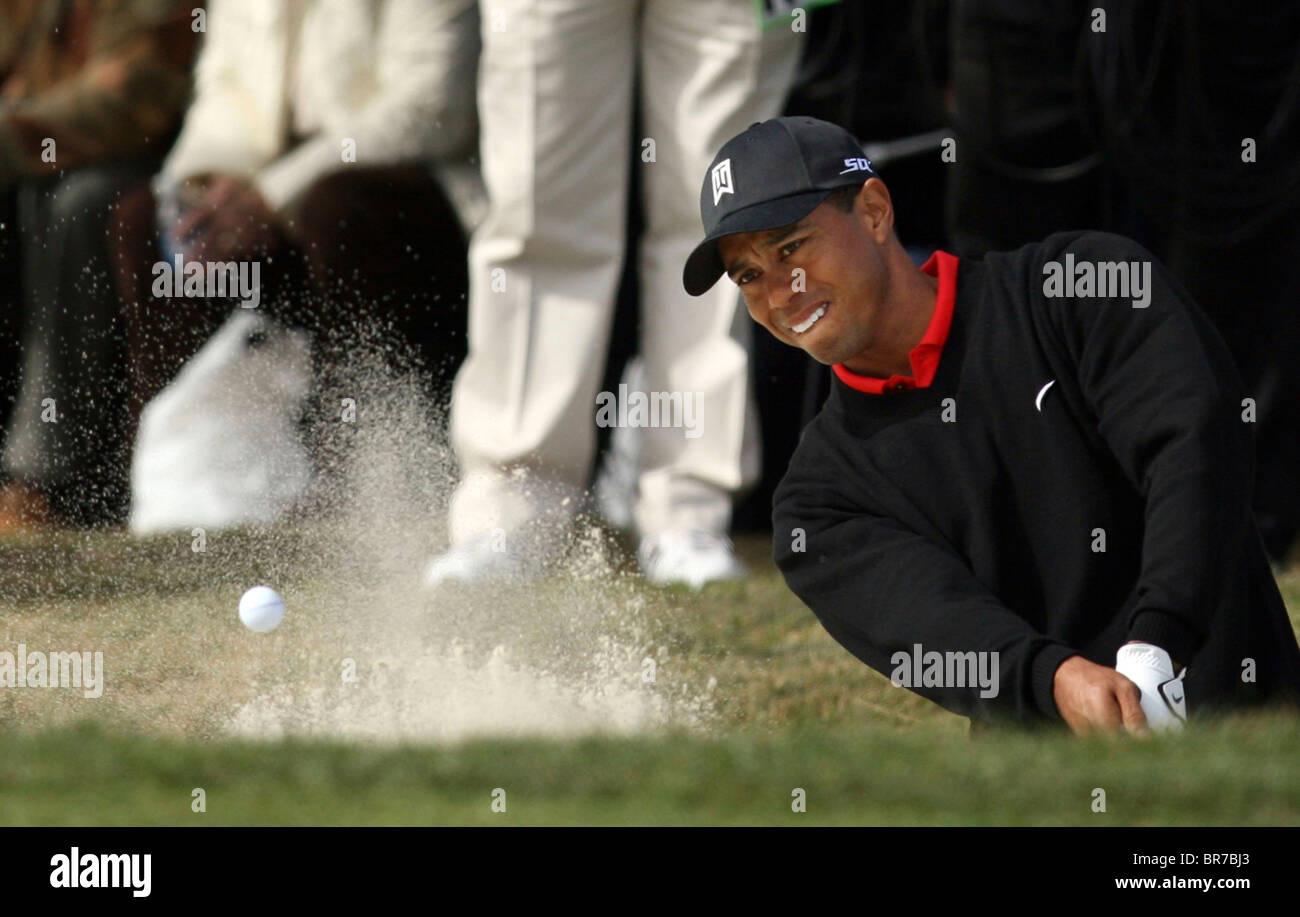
(1164, 701)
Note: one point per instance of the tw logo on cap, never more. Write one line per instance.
(722, 183)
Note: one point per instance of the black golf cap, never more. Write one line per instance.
(773, 174)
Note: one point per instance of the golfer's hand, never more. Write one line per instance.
(1096, 698)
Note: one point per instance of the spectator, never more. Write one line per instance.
(90, 93)
(329, 143)
(1203, 135)
(556, 105)
(1061, 125)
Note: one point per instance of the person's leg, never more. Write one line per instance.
(385, 258)
(160, 334)
(1245, 288)
(554, 97)
(383, 286)
(67, 435)
(10, 308)
(20, 506)
(1015, 115)
(708, 73)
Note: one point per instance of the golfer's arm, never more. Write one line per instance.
(1168, 402)
(881, 590)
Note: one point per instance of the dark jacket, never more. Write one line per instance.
(102, 80)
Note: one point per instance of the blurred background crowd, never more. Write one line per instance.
(499, 195)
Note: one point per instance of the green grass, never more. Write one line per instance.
(1243, 773)
(789, 709)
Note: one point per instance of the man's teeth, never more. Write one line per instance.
(812, 320)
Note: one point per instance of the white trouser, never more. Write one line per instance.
(555, 106)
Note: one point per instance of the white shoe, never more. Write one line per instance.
(694, 558)
(476, 561)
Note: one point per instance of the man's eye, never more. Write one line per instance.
(789, 247)
(745, 278)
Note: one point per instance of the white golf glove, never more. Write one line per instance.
(1164, 702)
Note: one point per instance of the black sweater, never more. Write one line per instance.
(978, 533)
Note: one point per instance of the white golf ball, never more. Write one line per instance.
(261, 609)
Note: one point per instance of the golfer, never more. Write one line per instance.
(1028, 496)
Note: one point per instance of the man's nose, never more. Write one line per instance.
(780, 287)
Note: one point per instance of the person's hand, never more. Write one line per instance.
(1096, 698)
(228, 220)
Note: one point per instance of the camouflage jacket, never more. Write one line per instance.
(83, 81)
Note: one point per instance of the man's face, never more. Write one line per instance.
(831, 309)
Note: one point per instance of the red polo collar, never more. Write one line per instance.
(924, 357)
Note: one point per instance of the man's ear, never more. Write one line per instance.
(875, 207)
